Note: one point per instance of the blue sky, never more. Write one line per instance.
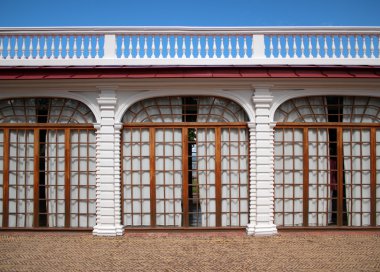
(189, 13)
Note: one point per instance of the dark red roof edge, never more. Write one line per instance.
(119, 72)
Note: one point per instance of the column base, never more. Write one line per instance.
(102, 230)
(261, 230)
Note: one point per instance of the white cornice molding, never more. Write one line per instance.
(189, 83)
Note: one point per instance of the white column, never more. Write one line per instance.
(108, 210)
(262, 192)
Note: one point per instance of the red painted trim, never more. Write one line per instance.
(38, 73)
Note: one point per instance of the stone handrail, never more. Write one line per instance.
(198, 46)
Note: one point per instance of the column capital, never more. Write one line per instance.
(251, 124)
(272, 125)
(262, 97)
(118, 126)
(97, 126)
(107, 96)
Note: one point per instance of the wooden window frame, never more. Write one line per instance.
(339, 127)
(184, 126)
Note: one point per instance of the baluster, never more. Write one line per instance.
(333, 47)
(38, 48)
(356, 46)
(294, 47)
(364, 46)
(75, 47)
(183, 47)
(1, 46)
(324, 45)
(214, 55)
(302, 46)
(221, 47)
(271, 46)
(81, 44)
(97, 46)
(229, 48)
(153, 54)
(52, 47)
(199, 54)
(340, 38)
(9, 47)
(160, 46)
(318, 47)
(130, 55)
(245, 47)
(372, 48)
(207, 47)
(191, 48)
(122, 46)
(308, 46)
(168, 47)
(137, 47)
(286, 46)
(237, 46)
(279, 53)
(145, 47)
(67, 47)
(349, 53)
(23, 48)
(59, 47)
(16, 47)
(89, 55)
(175, 46)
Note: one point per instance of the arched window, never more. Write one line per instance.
(185, 163)
(45, 110)
(326, 162)
(47, 155)
(185, 109)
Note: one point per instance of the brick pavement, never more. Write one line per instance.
(229, 251)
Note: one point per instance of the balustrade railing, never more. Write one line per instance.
(190, 46)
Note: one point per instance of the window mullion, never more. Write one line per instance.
(218, 177)
(305, 177)
(152, 159)
(185, 175)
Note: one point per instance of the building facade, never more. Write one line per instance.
(189, 128)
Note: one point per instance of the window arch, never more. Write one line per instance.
(48, 110)
(48, 171)
(185, 163)
(348, 109)
(185, 109)
(327, 162)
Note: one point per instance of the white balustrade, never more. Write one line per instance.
(190, 46)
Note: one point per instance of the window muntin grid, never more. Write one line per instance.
(339, 184)
(318, 109)
(56, 110)
(185, 172)
(49, 171)
(175, 109)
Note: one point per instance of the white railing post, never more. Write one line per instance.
(110, 46)
(258, 46)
